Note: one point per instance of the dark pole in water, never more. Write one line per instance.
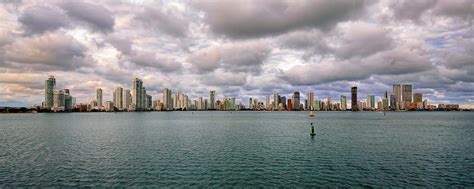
(312, 129)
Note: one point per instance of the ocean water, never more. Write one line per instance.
(238, 149)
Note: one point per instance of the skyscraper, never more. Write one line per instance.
(212, 99)
(144, 98)
(49, 86)
(329, 103)
(397, 91)
(407, 93)
(59, 100)
(275, 101)
(343, 103)
(296, 100)
(310, 100)
(250, 103)
(167, 103)
(99, 97)
(267, 103)
(417, 97)
(137, 101)
(354, 106)
(283, 102)
(126, 99)
(118, 98)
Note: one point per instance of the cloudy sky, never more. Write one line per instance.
(238, 48)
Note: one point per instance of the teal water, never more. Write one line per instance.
(239, 149)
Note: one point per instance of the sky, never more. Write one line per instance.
(238, 48)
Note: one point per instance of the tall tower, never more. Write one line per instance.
(397, 91)
(343, 103)
(267, 103)
(275, 101)
(354, 106)
(407, 93)
(310, 100)
(127, 99)
(167, 99)
(49, 86)
(296, 100)
(99, 97)
(417, 97)
(118, 98)
(137, 85)
(212, 98)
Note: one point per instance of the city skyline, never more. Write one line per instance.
(188, 47)
(401, 98)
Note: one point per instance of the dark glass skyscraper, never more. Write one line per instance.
(354, 99)
(296, 100)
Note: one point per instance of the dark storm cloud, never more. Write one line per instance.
(52, 51)
(225, 79)
(311, 42)
(241, 19)
(393, 62)
(169, 22)
(411, 10)
(235, 57)
(123, 44)
(153, 60)
(361, 40)
(39, 19)
(96, 16)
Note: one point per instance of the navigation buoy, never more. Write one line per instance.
(311, 113)
(312, 130)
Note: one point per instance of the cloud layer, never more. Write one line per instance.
(239, 48)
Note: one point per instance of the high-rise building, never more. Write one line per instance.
(59, 100)
(148, 102)
(310, 98)
(167, 102)
(343, 103)
(250, 103)
(283, 102)
(137, 94)
(144, 99)
(99, 97)
(329, 104)
(126, 99)
(372, 101)
(393, 102)
(407, 93)
(296, 100)
(267, 103)
(49, 86)
(417, 97)
(397, 91)
(118, 98)
(354, 106)
(212, 99)
(275, 101)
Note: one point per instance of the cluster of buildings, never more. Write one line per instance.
(136, 99)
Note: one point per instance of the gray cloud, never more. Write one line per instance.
(122, 44)
(394, 62)
(169, 22)
(361, 39)
(411, 10)
(52, 51)
(97, 17)
(150, 59)
(39, 19)
(235, 57)
(241, 19)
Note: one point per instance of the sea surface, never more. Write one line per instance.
(238, 149)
